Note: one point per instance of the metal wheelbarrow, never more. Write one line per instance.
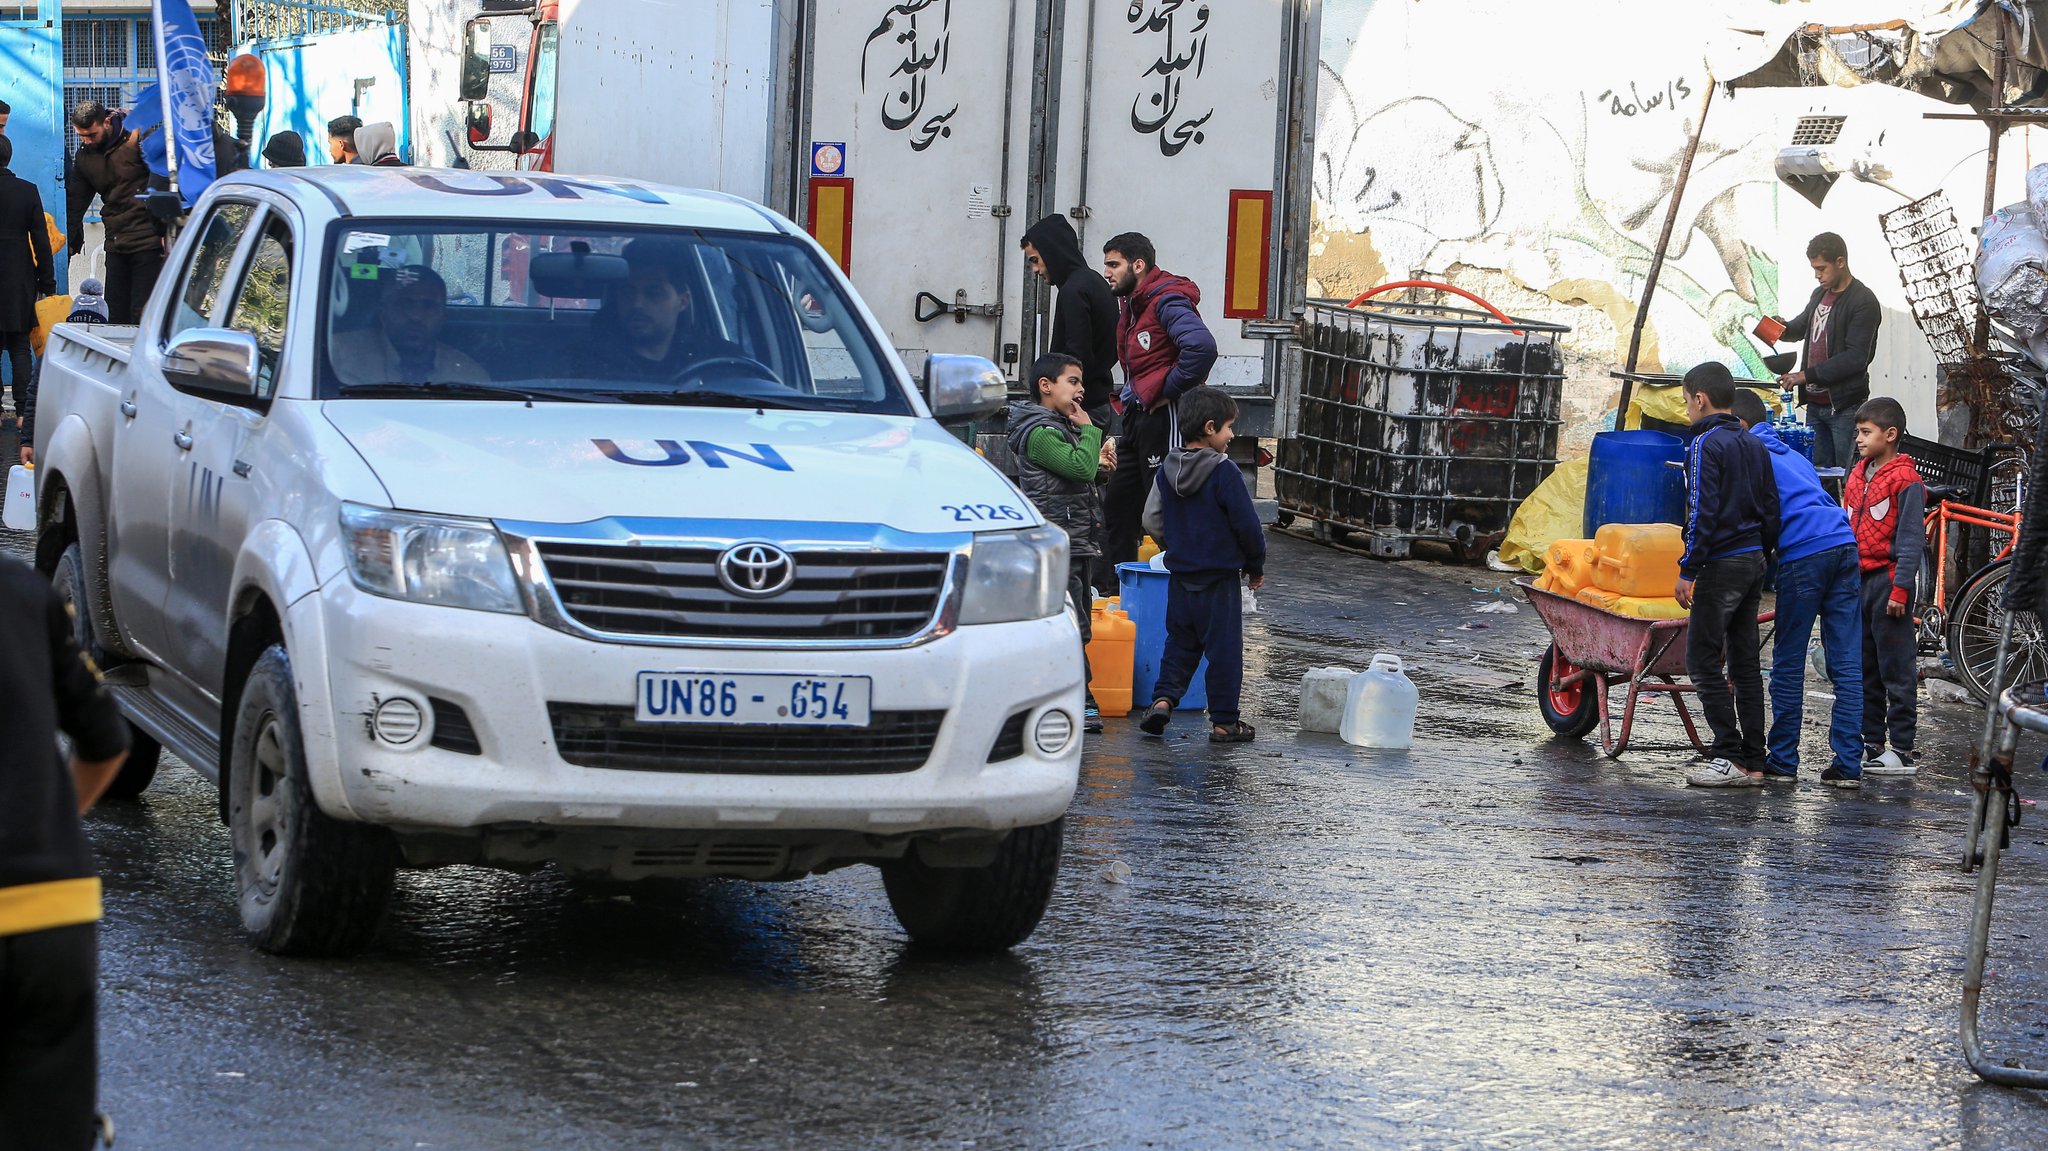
(1593, 649)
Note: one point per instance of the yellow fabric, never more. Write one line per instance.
(50, 311)
(1668, 404)
(41, 906)
(1554, 511)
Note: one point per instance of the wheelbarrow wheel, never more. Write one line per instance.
(1572, 711)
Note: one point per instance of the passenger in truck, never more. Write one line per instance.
(404, 346)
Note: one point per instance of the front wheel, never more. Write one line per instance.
(1570, 711)
(1974, 622)
(309, 884)
(989, 908)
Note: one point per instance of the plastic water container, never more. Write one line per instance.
(1627, 481)
(1144, 599)
(1568, 566)
(1325, 692)
(1379, 708)
(1638, 559)
(20, 511)
(1147, 549)
(1641, 607)
(1112, 636)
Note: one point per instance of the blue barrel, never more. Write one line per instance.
(1628, 482)
(1144, 600)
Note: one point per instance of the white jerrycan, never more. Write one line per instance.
(1379, 710)
(20, 511)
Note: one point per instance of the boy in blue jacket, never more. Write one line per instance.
(1731, 525)
(1817, 578)
(1201, 513)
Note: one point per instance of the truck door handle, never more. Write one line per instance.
(183, 440)
(128, 408)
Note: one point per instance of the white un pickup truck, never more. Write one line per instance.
(451, 517)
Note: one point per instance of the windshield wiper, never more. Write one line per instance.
(708, 398)
(456, 388)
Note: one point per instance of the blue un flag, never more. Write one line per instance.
(189, 77)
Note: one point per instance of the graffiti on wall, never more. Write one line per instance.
(1493, 189)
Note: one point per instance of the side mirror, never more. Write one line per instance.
(476, 60)
(524, 142)
(479, 122)
(960, 388)
(219, 360)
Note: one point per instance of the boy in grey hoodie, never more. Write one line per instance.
(1202, 514)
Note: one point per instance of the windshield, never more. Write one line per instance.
(492, 311)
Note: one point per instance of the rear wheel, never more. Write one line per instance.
(989, 908)
(143, 752)
(1570, 711)
(309, 884)
(1977, 613)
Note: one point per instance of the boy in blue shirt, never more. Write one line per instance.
(1202, 514)
(1817, 578)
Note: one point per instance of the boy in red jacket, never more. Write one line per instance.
(1886, 501)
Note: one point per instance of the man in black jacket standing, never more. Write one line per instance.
(1084, 320)
(1084, 314)
(49, 888)
(109, 164)
(1839, 326)
(27, 274)
(1732, 520)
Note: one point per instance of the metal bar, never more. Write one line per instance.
(1996, 128)
(1997, 777)
(1003, 256)
(1635, 340)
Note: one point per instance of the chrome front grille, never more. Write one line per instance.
(675, 593)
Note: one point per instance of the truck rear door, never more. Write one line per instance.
(910, 128)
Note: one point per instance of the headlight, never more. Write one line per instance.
(1015, 576)
(429, 559)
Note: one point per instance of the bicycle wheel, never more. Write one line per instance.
(1973, 635)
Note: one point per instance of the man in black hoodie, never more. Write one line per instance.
(1084, 315)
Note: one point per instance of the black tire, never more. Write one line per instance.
(140, 767)
(309, 884)
(1974, 622)
(143, 752)
(69, 580)
(1572, 713)
(990, 908)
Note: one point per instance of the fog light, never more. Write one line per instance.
(1055, 729)
(397, 722)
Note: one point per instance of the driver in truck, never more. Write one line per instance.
(404, 347)
(647, 329)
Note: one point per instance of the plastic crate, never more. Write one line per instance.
(1945, 466)
(1420, 422)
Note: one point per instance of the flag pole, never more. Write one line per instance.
(163, 91)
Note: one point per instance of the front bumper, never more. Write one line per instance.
(503, 671)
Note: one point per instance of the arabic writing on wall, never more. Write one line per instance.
(916, 35)
(1182, 30)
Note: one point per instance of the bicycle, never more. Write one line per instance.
(1968, 623)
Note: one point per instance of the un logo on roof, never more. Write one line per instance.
(756, 571)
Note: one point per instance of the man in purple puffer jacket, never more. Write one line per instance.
(1166, 350)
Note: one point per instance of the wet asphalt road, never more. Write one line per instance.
(1494, 940)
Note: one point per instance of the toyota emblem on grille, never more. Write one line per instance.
(756, 570)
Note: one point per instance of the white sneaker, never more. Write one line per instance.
(1891, 762)
(1720, 773)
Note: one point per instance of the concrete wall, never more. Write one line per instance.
(1526, 151)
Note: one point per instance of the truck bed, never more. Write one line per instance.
(114, 341)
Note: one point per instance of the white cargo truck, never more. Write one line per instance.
(917, 139)
(517, 518)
